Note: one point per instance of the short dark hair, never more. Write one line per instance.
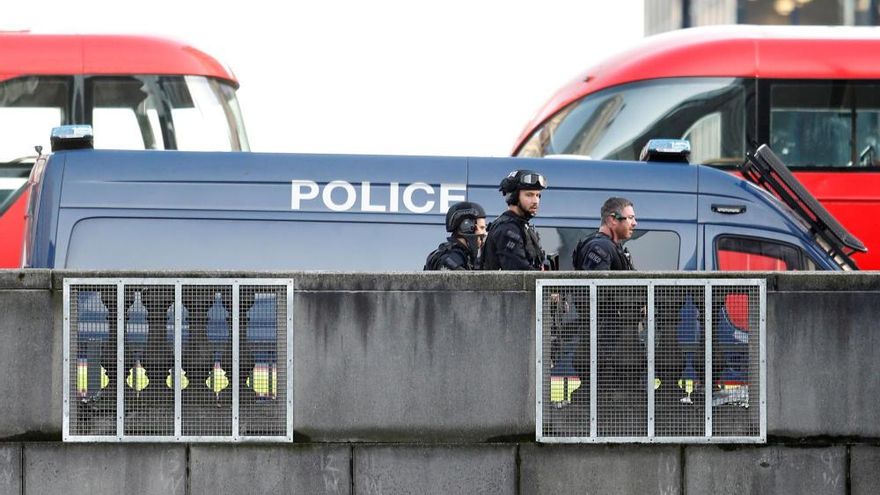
(612, 206)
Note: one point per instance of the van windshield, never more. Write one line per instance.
(615, 123)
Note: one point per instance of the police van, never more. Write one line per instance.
(102, 209)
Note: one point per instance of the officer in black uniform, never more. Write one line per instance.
(619, 315)
(466, 222)
(513, 242)
(603, 249)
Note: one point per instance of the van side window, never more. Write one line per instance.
(751, 254)
(826, 124)
(651, 249)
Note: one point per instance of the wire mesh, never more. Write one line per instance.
(207, 361)
(263, 354)
(123, 360)
(735, 360)
(680, 348)
(149, 360)
(627, 360)
(92, 361)
(566, 378)
(622, 366)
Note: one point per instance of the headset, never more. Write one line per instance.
(467, 226)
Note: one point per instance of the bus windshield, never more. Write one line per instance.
(617, 122)
(134, 112)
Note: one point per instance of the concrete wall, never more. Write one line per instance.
(409, 383)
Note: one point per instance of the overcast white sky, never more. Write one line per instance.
(457, 77)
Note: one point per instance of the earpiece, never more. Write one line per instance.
(467, 226)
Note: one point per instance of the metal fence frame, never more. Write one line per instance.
(650, 284)
(177, 283)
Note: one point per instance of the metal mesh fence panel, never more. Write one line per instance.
(650, 360)
(566, 376)
(91, 365)
(207, 360)
(177, 360)
(622, 391)
(736, 358)
(148, 396)
(680, 348)
(263, 354)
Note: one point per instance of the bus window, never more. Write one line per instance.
(751, 254)
(825, 124)
(617, 122)
(29, 108)
(204, 119)
(651, 249)
(125, 115)
(190, 113)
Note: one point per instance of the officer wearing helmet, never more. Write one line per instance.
(513, 242)
(466, 222)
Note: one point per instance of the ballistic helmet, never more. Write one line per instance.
(521, 180)
(461, 218)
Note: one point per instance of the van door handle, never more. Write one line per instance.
(729, 209)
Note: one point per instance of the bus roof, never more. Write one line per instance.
(785, 52)
(24, 53)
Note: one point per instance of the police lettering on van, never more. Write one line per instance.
(340, 195)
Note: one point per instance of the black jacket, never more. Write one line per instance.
(450, 255)
(598, 252)
(512, 244)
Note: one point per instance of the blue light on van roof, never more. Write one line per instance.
(72, 137)
(666, 150)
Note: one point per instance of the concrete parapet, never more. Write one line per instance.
(449, 357)
(10, 468)
(30, 363)
(100, 469)
(441, 470)
(600, 469)
(397, 366)
(314, 469)
(822, 350)
(865, 469)
(25, 279)
(770, 469)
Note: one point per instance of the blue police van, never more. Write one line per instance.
(103, 209)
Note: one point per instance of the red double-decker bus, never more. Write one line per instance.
(811, 93)
(137, 92)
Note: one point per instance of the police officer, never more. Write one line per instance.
(466, 222)
(620, 315)
(603, 250)
(513, 243)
